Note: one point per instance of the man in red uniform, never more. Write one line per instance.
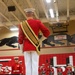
(39, 70)
(50, 70)
(43, 70)
(69, 70)
(16, 68)
(30, 55)
(59, 71)
(7, 71)
(1, 69)
(21, 68)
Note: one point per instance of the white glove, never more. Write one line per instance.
(21, 47)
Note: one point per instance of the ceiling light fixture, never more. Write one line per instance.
(48, 1)
(14, 29)
(54, 0)
(51, 13)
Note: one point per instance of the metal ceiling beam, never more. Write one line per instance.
(43, 6)
(10, 12)
(15, 17)
(44, 20)
(56, 10)
(31, 6)
(4, 25)
(5, 17)
(14, 1)
(68, 15)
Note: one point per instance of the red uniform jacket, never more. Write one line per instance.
(43, 70)
(22, 69)
(1, 71)
(7, 71)
(36, 25)
(16, 69)
(50, 70)
(47, 68)
(59, 70)
(68, 69)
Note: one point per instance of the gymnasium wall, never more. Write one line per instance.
(47, 53)
(10, 51)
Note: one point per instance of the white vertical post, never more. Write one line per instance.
(55, 64)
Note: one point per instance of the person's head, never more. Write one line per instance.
(29, 12)
(16, 59)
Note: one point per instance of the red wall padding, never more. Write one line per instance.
(61, 59)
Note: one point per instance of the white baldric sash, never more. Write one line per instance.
(29, 33)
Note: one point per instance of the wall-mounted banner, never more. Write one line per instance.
(9, 40)
(60, 37)
(59, 40)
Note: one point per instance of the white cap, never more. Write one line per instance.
(29, 10)
(16, 58)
